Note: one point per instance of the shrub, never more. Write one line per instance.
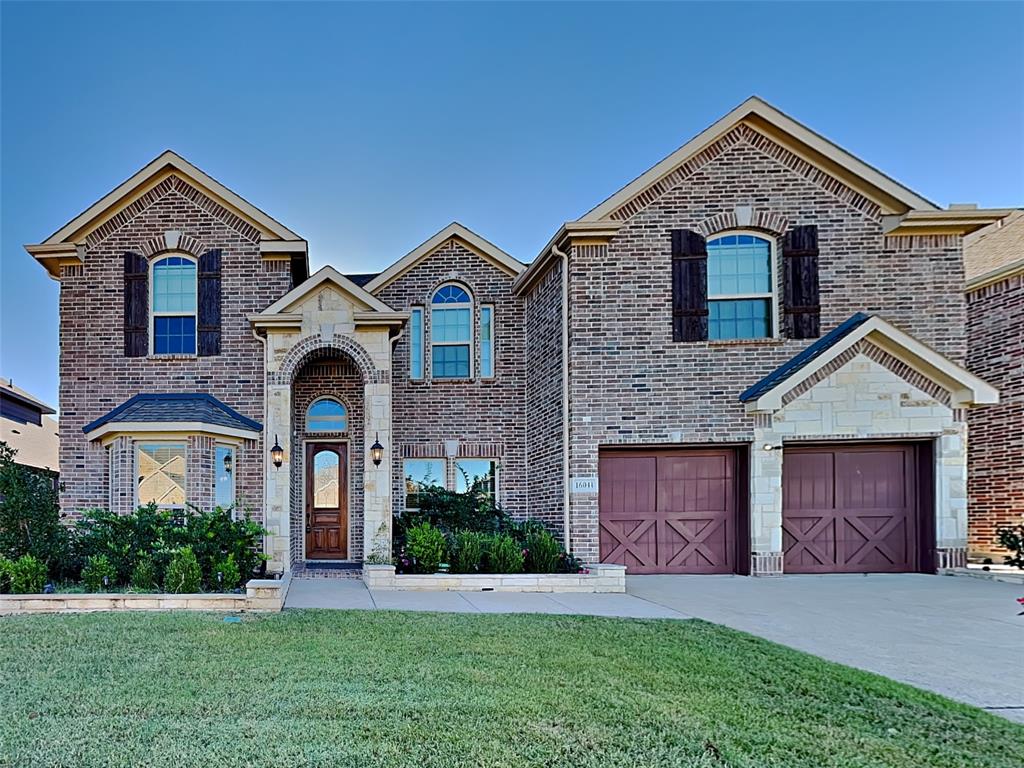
(452, 511)
(30, 521)
(504, 554)
(122, 539)
(6, 567)
(28, 575)
(425, 544)
(1011, 537)
(468, 549)
(229, 575)
(542, 551)
(98, 575)
(183, 573)
(144, 575)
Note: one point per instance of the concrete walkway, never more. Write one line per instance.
(959, 637)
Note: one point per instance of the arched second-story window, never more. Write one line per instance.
(326, 415)
(451, 333)
(740, 287)
(173, 305)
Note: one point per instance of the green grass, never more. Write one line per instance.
(318, 688)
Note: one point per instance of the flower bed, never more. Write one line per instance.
(595, 578)
(265, 595)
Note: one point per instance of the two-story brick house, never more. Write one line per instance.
(749, 359)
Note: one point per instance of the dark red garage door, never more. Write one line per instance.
(668, 511)
(850, 509)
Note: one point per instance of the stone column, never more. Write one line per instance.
(377, 479)
(277, 495)
(765, 499)
(951, 496)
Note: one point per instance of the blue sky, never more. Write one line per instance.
(367, 128)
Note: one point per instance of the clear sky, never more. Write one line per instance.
(367, 128)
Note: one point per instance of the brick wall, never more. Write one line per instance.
(95, 374)
(339, 378)
(631, 384)
(485, 416)
(995, 329)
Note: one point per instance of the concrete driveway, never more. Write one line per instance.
(956, 636)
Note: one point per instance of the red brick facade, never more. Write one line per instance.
(995, 330)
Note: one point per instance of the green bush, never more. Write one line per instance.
(468, 549)
(451, 511)
(1011, 537)
(30, 522)
(542, 551)
(425, 544)
(144, 576)
(28, 575)
(98, 575)
(504, 554)
(229, 575)
(183, 573)
(6, 568)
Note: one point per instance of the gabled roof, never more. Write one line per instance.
(61, 245)
(321, 277)
(965, 388)
(177, 412)
(995, 252)
(892, 196)
(487, 250)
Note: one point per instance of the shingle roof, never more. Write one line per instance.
(798, 361)
(176, 407)
(994, 247)
(363, 278)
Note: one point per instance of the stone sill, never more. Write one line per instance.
(601, 578)
(772, 342)
(172, 357)
(261, 595)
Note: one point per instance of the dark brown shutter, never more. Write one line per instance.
(689, 286)
(136, 305)
(800, 283)
(208, 319)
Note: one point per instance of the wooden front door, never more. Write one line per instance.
(326, 501)
(669, 511)
(850, 509)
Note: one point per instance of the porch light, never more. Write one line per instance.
(228, 462)
(277, 453)
(377, 452)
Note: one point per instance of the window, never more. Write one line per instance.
(416, 343)
(224, 469)
(480, 472)
(173, 304)
(326, 415)
(161, 473)
(450, 333)
(486, 342)
(420, 473)
(326, 479)
(740, 296)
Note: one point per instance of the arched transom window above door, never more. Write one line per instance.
(451, 333)
(326, 415)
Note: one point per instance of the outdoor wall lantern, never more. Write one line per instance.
(277, 453)
(228, 462)
(377, 452)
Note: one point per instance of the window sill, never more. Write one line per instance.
(172, 356)
(767, 342)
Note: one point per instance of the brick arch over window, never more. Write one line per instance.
(317, 347)
(172, 241)
(760, 219)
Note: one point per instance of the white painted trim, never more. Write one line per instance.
(755, 106)
(494, 345)
(131, 428)
(965, 388)
(422, 337)
(773, 277)
(322, 276)
(153, 314)
(234, 474)
(472, 305)
(487, 249)
(136, 446)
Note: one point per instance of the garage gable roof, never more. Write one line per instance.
(965, 388)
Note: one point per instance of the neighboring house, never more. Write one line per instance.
(994, 265)
(26, 426)
(749, 359)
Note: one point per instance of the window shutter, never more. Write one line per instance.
(689, 286)
(208, 317)
(136, 305)
(800, 283)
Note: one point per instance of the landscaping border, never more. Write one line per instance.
(603, 577)
(261, 595)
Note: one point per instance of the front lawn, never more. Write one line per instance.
(320, 688)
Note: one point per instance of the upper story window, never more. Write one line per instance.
(416, 343)
(173, 305)
(451, 333)
(740, 296)
(326, 415)
(486, 341)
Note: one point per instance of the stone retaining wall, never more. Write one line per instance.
(264, 595)
(598, 578)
